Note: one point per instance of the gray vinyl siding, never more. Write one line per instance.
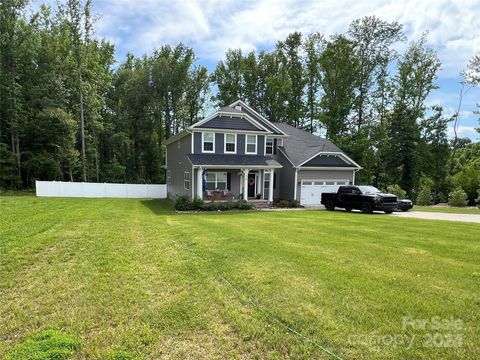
(261, 145)
(287, 176)
(241, 144)
(322, 174)
(219, 139)
(177, 165)
(197, 142)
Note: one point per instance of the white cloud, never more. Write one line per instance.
(465, 131)
(213, 26)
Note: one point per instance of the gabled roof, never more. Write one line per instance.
(255, 115)
(302, 147)
(221, 121)
(231, 118)
(229, 160)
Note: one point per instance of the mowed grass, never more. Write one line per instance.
(132, 277)
(454, 210)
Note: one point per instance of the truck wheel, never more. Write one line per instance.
(330, 206)
(348, 209)
(367, 208)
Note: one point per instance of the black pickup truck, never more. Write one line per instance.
(364, 198)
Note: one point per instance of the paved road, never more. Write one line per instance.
(439, 216)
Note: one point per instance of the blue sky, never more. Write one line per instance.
(211, 27)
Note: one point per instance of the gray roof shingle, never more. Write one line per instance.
(301, 145)
(230, 123)
(233, 160)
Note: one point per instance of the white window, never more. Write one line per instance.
(186, 180)
(230, 143)
(216, 180)
(251, 144)
(208, 142)
(269, 146)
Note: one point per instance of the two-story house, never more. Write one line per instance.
(236, 153)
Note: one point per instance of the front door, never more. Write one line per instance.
(251, 185)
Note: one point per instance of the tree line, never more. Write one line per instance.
(70, 112)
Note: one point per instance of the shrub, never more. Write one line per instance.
(287, 204)
(477, 200)
(397, 191)
(224, 206)
(424, 196)
(282, 204)
(294, 203)
(197, 203)
(183, 203)
(211, 206)
(243, 205)
(45, 345)
(457, 197)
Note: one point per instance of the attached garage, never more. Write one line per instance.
(311, 166)
(311, 190)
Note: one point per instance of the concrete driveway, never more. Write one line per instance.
(438, 216)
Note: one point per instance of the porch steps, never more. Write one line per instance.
(260, 205)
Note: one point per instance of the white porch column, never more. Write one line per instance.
(270, 187)
(245, 184)
(260, 183)
(199, 183)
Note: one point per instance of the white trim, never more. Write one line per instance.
(225, 143)
(193, 150)
(256, 145)
(295, 186)
(185, 180)
(230, 131)
(326, 168)
(237, 115)
(203, 141)
(216, 178)
(336, 153)
(239, 167)
(273, 145)
(193, 182)
(353, 179)
(256, 113)
(325, 180)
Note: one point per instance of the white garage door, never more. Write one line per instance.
(311, 190)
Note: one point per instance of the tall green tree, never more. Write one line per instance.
(228, 77)
(417, 71)
(290, 53)
(313, 47)
(338, 65)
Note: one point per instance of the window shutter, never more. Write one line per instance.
(275, 146)
(229, 181)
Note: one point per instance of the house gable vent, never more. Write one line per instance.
(238, 107)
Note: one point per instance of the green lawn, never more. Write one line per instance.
(455, 210)
(132, 277)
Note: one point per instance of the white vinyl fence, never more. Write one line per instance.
(100, 190)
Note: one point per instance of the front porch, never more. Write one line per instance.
(224, 184)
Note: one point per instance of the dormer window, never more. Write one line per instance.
(230, 143)
(251, 144)
(208, 142)
(269, 142)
